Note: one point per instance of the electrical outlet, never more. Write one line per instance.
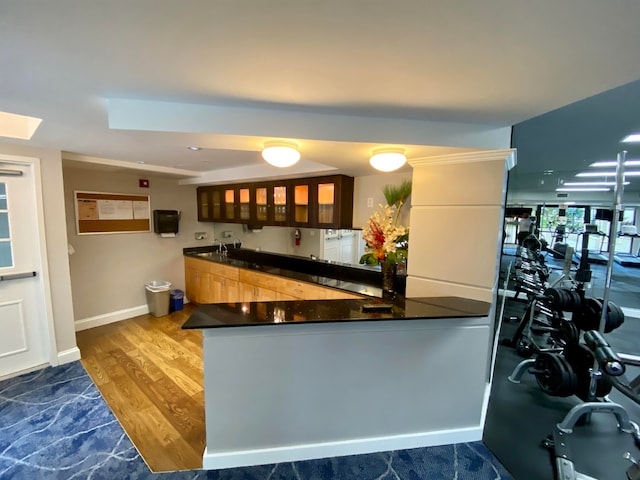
(226, 234)
(370, 202)
(201, 235)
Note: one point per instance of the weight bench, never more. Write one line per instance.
(610, 365)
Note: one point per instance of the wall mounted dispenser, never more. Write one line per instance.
(166, 222)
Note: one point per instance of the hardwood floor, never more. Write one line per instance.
(150, 373)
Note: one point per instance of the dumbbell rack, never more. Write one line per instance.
(546, 309)
(609, 364)
(530, 273)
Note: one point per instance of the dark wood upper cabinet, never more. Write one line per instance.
(317, 202)
(205, 207)
(332, 202)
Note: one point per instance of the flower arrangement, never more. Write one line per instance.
(386, 241)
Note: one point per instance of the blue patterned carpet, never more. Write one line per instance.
(54, 424)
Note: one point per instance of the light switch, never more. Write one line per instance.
(370, 202)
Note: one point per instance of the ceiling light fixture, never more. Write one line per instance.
(594, 189)
(591, 184)
(388, 159)
(194, 149)
(633, 138)
(281, 154)
(631, 173)
(613, 163)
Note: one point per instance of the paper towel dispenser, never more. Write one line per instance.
(166, 221)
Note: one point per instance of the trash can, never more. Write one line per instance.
(177, 299)
(158, 296)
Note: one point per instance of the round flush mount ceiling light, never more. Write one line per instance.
(281, 154)
(388, 159)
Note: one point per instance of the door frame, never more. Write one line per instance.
(43, 277)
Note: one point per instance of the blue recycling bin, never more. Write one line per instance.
(177, 300)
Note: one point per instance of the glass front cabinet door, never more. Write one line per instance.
(217, 212)
(332, 202)
(262, 204)
(204, 204)
(301, 203)
(244, 205)
(326, 203)
(280, 203)
(230, 204)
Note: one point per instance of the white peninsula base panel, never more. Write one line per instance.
(285, 393)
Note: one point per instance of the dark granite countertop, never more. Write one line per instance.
(360, 279)
(222, 315)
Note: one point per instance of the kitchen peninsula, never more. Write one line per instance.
(239, 274)
(301, 379)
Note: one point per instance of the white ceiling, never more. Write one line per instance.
(494, 62)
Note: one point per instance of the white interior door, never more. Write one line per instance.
(24, 333)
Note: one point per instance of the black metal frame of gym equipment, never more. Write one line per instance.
(606, 364)
(523, 340)
(591, 255)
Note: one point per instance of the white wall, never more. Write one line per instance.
(271, 239)
(108, 271)
(371, 187)
(456, 215)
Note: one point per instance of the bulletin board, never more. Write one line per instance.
(98, 213)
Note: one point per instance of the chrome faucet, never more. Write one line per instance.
(223, 247)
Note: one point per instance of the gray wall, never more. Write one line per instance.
(108, 271)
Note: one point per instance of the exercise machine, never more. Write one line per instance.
(593, 255)
(629, 259)
(587, 366)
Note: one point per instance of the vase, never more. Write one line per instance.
(389, 270)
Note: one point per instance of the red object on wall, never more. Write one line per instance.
(297, 237)
(142, 183)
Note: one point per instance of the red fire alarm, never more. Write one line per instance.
(142, 183)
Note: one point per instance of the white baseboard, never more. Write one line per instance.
(111, 317)
(263, 456)
(23, 372)
(68, 356)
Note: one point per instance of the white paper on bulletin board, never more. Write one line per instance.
(141, 210)
(115, 210)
